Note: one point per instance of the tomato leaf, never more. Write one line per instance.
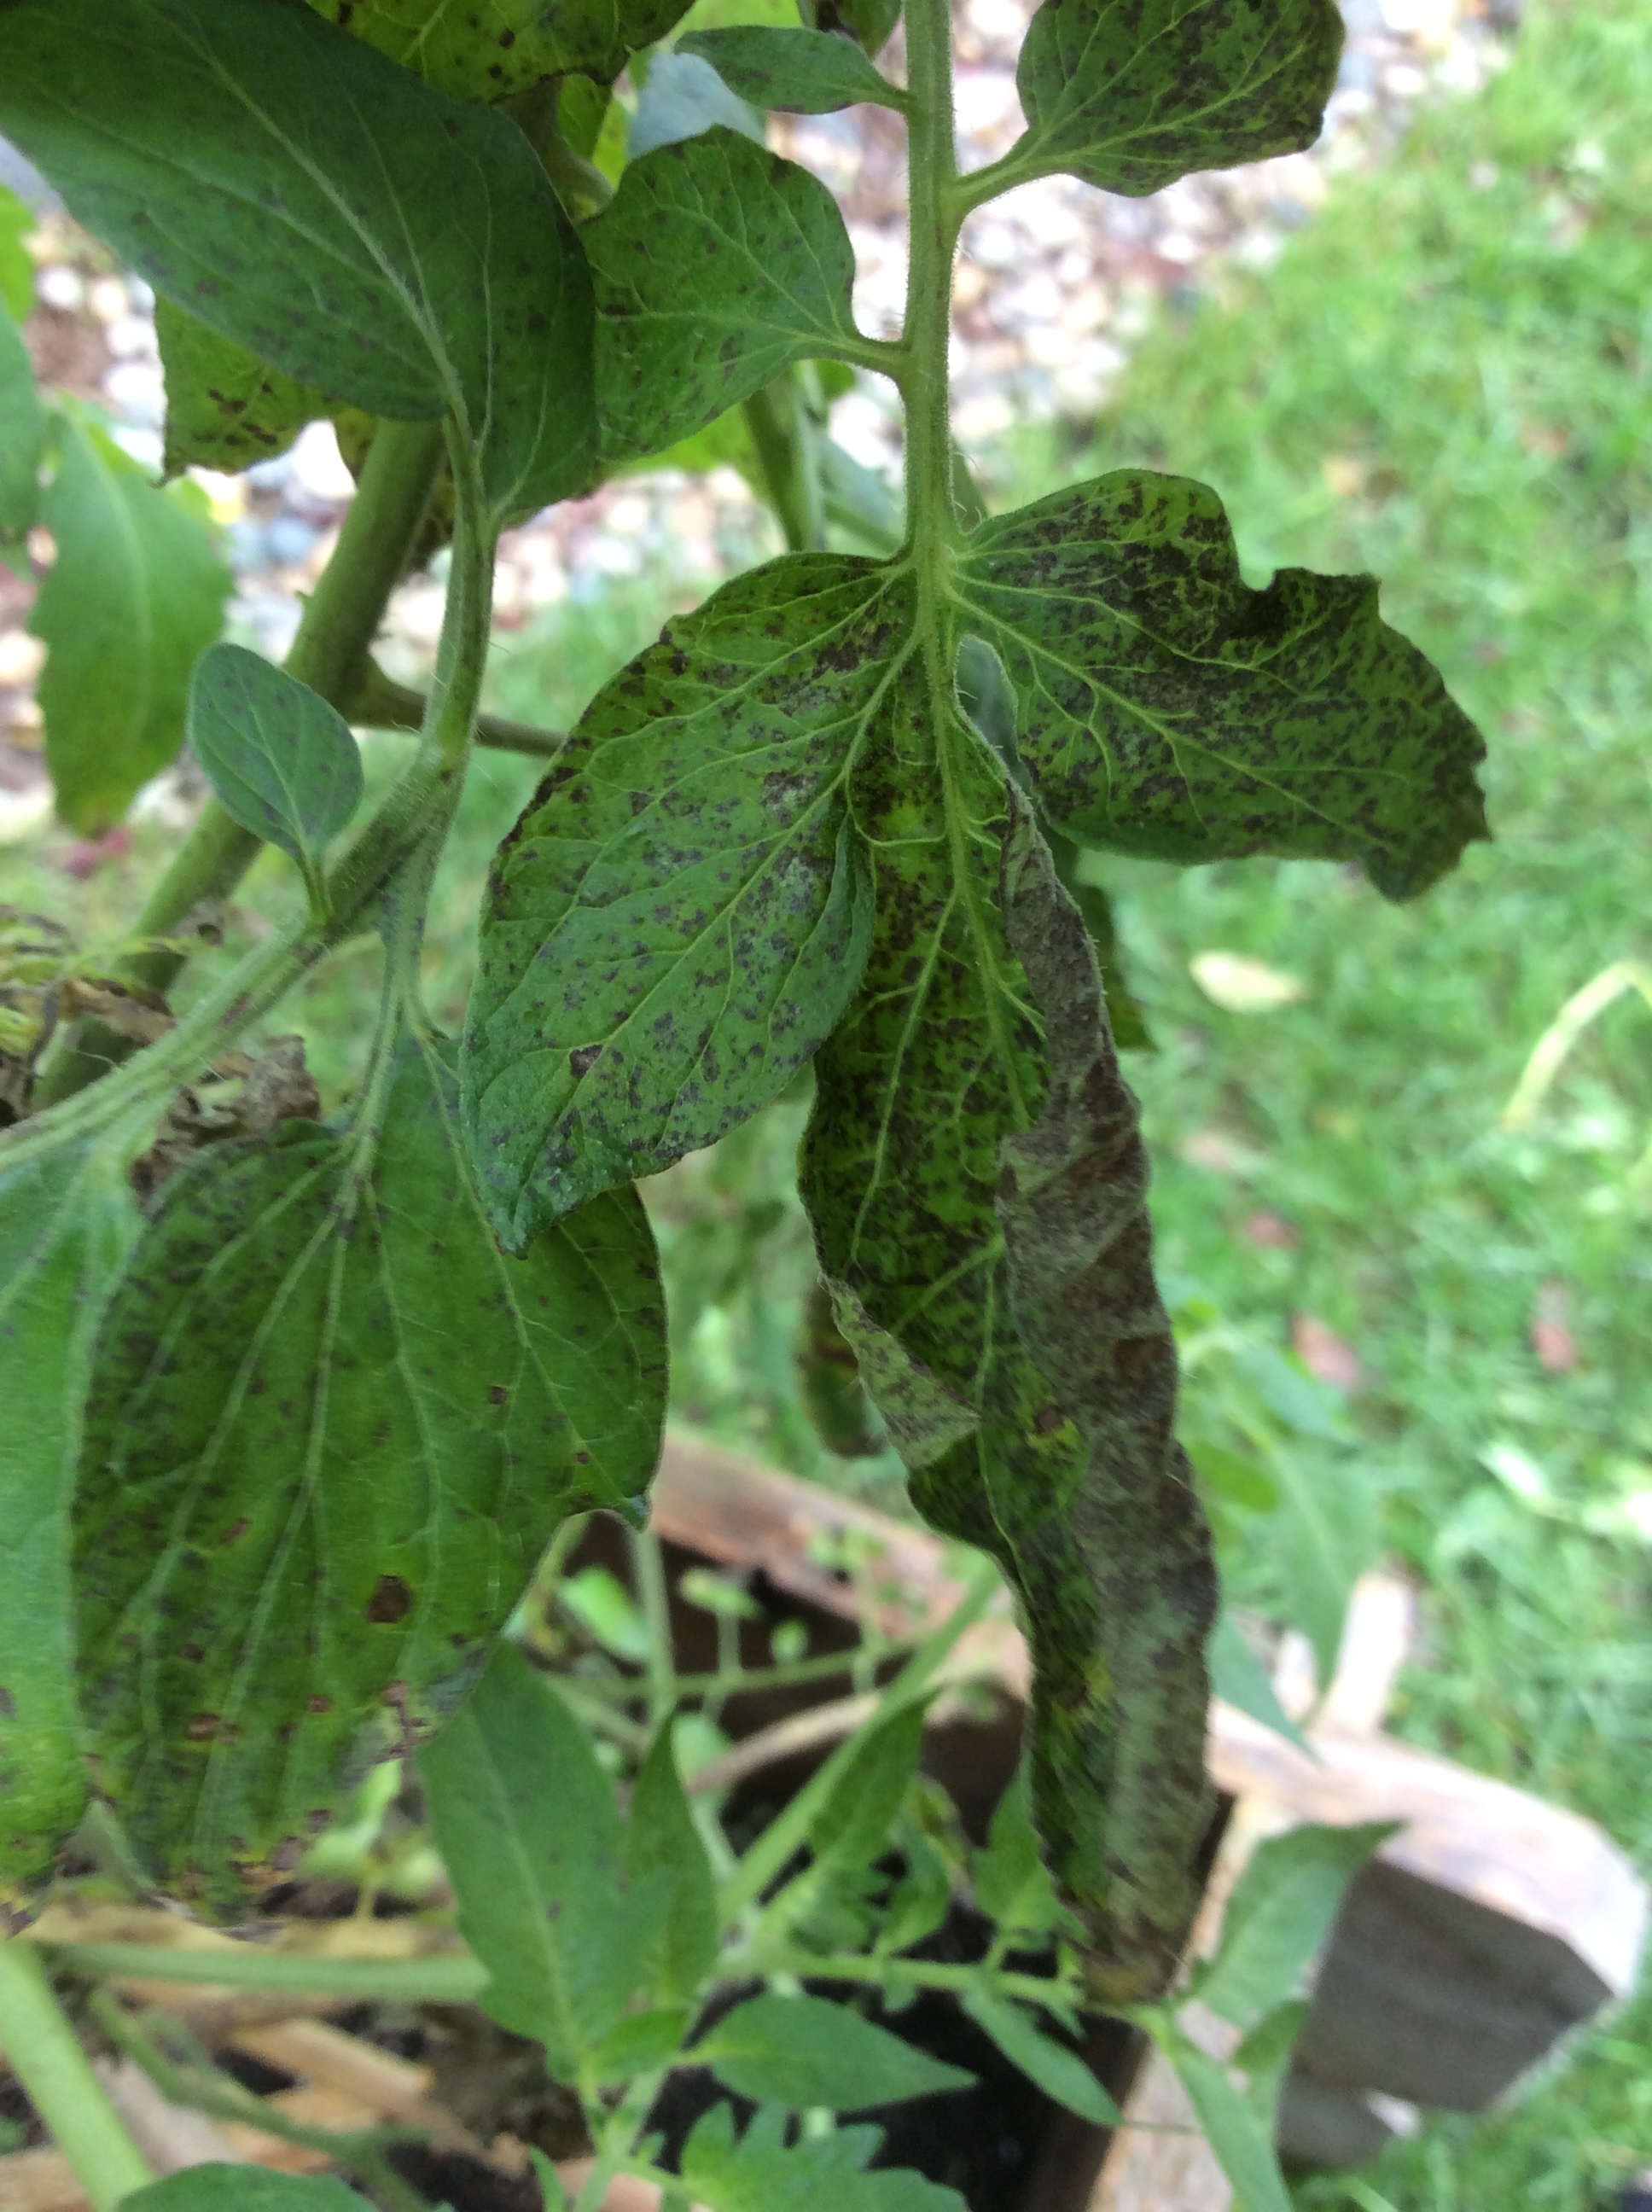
(1169, 709)
(804, 2051)
(680, 915)
(242, 2188)
(660, 1838)
(136, 594)
(761, 2174)
(801, 72)
(321, 208)
(64, 1222)
(283, 764)
(1059, 2071)
(1132, 99)
(1279, 1917)
(225, 407)
(717, 265)
(22, 432)
(331, 1429)
(527, 1827)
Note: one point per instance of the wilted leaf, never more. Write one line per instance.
(323, 210)
(805, 2051)
(680, 915)
(329, 1433)
(1169, 709)
(135, 596)
(717, 265)
(1132, 99)
(802, 72)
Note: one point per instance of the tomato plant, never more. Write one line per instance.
(282, 1445)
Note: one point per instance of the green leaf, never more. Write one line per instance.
(64, 1223)
(284, 764)
(225, 407)
(681, 913)
(322, 209)
(1169, 709)
(1322, 1538)
(527, 1827)
(976, 1179)
(330, 1431)
(760, 2173)
(491, 49)
(870, 23)
(1264, 2058)
(1059, 2071)
(242, 2188)
(17, 265)
(855, 1823)
(1132, 99)
(136, 594)
(22, 432)
(684, 97)
(1012, 1882)
(716, 266)
(661, 1838)
(1280, 1916)
(1239, 1678)
(1241, 2139)
(641, 2044)
(803, 72)
(803, 2051)
(608, 1612)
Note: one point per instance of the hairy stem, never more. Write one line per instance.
(329, 654)
(47, 2059)
(935, 216)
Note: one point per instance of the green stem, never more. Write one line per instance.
(936, 214)
(648, 1565)
(1032, 1989)
(47, 2059)
(329, 654)
(786, 1835)
(788, 455)
(450, 1978)
(381, 704)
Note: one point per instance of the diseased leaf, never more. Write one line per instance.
(1169, 709)
(1279, 1917)
(717, 265)
(136, 594)
(64, 1222)
(760, 2173)
(526, 1824)
(242, 2188)
(16, 267)
(1059, 2071)
(870, 23)
(802, 72)
(681, 913)
(225, 407)
(803, 2051)
(331, 1429)
(321, 208)
(22, 432)
(684, 97)
(661, 1838)
(1131, 99)
(490, 50)
(979, 1187)
(284, 764)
